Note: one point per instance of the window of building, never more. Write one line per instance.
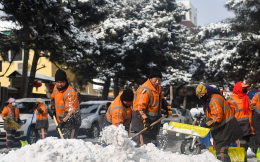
(18, 56)
(183, 17)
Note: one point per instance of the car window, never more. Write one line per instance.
(174, 111)
(88, 109)
(25, 107)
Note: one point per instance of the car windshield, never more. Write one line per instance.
(25, 107)
(88, 109)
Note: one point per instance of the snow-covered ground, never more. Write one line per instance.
(113, 146)
(116, 147)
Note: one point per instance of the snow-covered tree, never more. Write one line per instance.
(44, 26)
(134, 36)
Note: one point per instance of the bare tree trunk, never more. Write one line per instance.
(32, 74)
(23, 90)
(116, 88)
(106, 89)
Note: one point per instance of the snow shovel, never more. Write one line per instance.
(157, 121)
(24, 143)
(236, 154)
(188, 129)
(54, 118)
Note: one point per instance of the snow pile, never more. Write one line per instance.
(120, 149)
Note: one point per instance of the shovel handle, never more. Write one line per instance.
(157, 121)
(61, 136)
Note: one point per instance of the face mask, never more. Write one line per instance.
(204, 98)
(13, 103)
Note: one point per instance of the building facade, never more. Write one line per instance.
(189, 19)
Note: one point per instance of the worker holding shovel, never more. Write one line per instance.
(42, 123)
(220, 118)
(11, 117)
(66, 106)
(147, 105)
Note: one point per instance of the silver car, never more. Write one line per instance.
(92, 116)
(176, 117)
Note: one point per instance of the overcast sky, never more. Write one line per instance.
(210, 11)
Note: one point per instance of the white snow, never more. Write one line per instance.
(119, 148)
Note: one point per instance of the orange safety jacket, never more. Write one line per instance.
(41, 117)
(147, 101)
(245, 121)
(11, 111)
(66, 103)
(118, 114)
(255, 103)
(219, 112)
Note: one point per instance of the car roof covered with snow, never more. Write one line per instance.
(30, 99)
(95, 102)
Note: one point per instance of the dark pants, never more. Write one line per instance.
(222, 154)
(10, 135)
(243, 143)
(71, 128)
(42, 133)
(146, 138)
(69, 133)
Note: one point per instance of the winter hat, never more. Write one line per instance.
(39, 100)
(201, 89)
(155, 73)
(127, 95)
(11, 100)
(60, 75)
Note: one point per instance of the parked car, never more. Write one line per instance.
(176, 117)
(92, 116)
(26, 105)
(188, 118)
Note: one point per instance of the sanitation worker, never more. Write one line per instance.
(66, 106)
(239, 104)
(120, 110)
(147, 105)
(42, 123)
(255, 107)
(13, 112)
(220, 118)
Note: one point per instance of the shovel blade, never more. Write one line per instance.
(236, 154)
(24, 143)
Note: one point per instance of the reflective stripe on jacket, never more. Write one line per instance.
(66, 103)
(11, 111)
(219, 111)
(245, 121)
(42, 118)
(117, 114)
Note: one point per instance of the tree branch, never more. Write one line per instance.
(93, 82)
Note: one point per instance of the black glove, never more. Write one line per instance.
(147, 124)
(61, 125)
(164, 105)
